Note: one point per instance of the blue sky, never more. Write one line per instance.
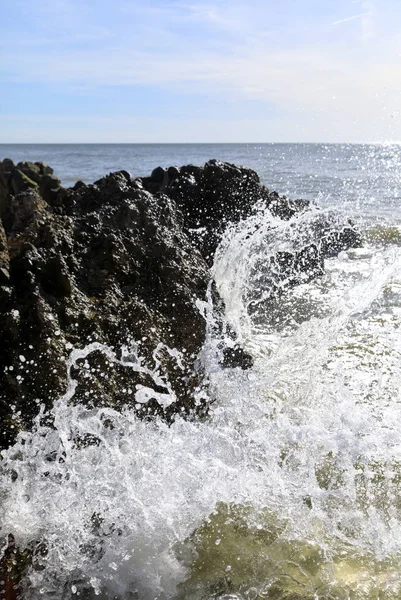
(200, 71)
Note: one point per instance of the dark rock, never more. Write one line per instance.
(6, 165)
(126, 174)
(79, 184)
(158, 175)
(121, 263)
(221, 193)
(286, 269)
(173, 173)
(338, 237)
(4, 276)
(13, 566)
(22, 212)
(235, 356)
(115, 265)
(54, 278)
(31, 170)
(21, 182)
(218, 194)
(44, 169)
(49, 182)
(6, 168)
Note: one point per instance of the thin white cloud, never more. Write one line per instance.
(325, 95)
(334, 89)
(368, 19)
(353, 18)
(210, 13)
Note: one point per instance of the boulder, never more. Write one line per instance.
(6, 166)
(113, 265)
(114, 270)
(21, 182)
(219, 193)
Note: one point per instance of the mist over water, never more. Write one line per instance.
(292, 487)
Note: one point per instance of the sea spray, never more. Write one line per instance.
(289, 488)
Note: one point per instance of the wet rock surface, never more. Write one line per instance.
(214, 195)
(119, 264)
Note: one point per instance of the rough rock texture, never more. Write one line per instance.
(219, 193)
(118, 263)
(214, 195)
(106, 263)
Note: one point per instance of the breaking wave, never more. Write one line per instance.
(290, 488)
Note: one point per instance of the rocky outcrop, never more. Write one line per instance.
(212, 196)
(118, 264)
(105, 263)
(219, 193)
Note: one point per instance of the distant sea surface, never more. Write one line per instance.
(362, 179)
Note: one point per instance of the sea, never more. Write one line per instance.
(353, 177)
(291, 488)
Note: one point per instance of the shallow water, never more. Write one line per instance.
(290, 489)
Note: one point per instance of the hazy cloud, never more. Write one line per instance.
(310, 80)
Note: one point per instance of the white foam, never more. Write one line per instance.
(113, 513)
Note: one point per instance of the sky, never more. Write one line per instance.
(200, 71)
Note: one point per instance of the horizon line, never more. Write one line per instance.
(371, 143)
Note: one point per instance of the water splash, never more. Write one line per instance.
(304, 448)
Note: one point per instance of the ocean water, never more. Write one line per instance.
(358, 178)
(292, 489)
